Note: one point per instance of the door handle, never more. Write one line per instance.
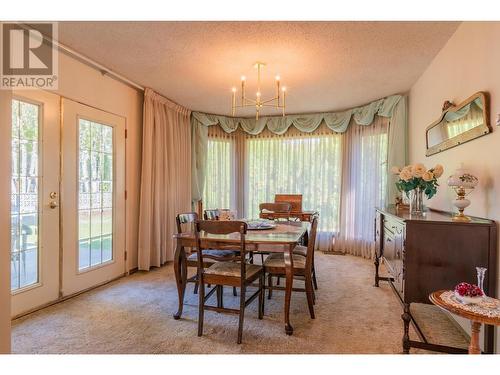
(53, 204)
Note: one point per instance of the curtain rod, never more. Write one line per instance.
(88, 61)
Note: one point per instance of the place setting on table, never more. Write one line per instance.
(282, 240)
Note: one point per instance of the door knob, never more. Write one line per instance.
(53, 204)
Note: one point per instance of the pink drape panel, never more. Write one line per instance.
(165, 179)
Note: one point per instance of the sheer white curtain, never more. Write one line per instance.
(364, 185)
(221, 188)
(300, 163)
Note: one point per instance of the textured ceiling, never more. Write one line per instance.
(325, 65)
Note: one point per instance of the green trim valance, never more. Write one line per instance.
(393, 107)
(336, 121)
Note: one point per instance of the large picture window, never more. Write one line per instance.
(310, 164)
(307, 165)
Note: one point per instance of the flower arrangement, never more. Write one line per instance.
(468, 293)
(416, 176)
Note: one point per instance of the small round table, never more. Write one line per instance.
(487, 312)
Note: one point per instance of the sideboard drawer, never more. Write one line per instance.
(394, 226)
(393, 250)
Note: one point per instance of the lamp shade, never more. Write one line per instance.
(462, 179)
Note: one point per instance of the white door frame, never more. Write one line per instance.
(74, 280)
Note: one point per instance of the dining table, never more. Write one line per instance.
(284, 234)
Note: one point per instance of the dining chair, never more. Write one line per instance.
(235, 271)
(302, 250)
(214, 215)
(280, 209)
(211, 214)
(274, 265)
(192, 259)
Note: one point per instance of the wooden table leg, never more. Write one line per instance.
(180, 276)
(288, 255)
(474, 338)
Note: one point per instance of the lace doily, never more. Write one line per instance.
(489, 307)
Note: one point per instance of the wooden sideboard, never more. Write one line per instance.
(429, 253)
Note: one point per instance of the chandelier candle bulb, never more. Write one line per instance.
(233, 102)
(243, 79)
(278, 89)
(284, 100)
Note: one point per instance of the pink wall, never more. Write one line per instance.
(468, 63)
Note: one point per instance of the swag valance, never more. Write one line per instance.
(336, 121)
(393, 107)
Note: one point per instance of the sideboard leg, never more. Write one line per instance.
(406, 320)
(376, 271)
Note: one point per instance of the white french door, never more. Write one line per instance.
(67, 198)
(93, 197)
(34, 200)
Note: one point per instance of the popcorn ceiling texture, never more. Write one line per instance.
(326, 66)
(134, 315)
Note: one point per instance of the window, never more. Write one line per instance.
(307, 165)
(219, 187)
(95, 192)
(311, 165)
(24, 194)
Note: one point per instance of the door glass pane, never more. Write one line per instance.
(95, 194)
(24, 195)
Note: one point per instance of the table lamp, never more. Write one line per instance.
(463, 183)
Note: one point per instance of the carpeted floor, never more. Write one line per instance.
(134, 315)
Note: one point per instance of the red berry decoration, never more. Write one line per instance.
(468, 290)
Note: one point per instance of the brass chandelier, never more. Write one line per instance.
(278, 101)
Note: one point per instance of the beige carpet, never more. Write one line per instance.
(134, 315)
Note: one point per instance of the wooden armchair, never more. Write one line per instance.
(234, 271)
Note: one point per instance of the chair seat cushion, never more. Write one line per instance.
(278, 261)
(213, 252)
(232, 269)
(300, 250)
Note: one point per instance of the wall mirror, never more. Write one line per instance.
(459, 124)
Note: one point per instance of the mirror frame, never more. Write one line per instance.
(469, 135)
